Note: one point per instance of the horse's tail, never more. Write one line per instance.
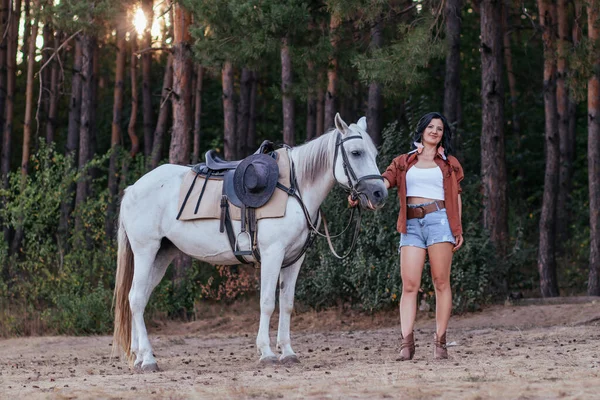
(123, 280)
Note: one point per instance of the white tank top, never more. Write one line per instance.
(425, 182)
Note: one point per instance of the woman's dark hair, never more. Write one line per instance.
(446, 141)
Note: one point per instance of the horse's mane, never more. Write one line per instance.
(314, 157)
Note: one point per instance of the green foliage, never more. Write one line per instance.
(56, 270)
(403, 63)
(81, 312)
(91, 16)
(244, 31)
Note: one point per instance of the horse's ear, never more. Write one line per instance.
(362, 122)
(340, 125)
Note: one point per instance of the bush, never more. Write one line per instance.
(81, 312)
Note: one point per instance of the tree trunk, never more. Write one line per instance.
(286, 94)
(228, 111)
(4, 14)
(512, 82)
(88, 44)
(54, 94)
(357, 106)
(115, 137)
(179, 151)
(94, 172)
(46, 79)
(198, 113)
(251, 140)
(27, 129)
(493, 164)
(163, 114)
(311, 106)
(146, 78)
(135, 141)
(452, 12)
(320, 129)
(75, 103)
(594, 151)
(332, 74)
(11, 71)
(375, 103)
(27, 133)
(547, 245)
(243, 114)
(576, 34)
(72, 134)
(562, 106)
(26, 27)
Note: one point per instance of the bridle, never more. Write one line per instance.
(348, 170)
(351, 188)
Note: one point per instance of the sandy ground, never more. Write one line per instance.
(508, 352)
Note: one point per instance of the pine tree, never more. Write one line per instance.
(179, 152)
(547, 247)
(493, 164)
(593, 11)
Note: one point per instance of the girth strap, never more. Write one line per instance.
(187, 196)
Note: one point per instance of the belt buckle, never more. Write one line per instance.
(421, 212)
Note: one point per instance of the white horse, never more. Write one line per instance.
(150, 236)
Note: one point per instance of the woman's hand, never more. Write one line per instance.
(352, 202)
(459, 242)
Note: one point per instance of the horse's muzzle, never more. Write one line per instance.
(372, 194)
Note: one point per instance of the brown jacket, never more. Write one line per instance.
(453, 174)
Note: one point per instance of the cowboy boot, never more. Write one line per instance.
(440, 352)
(407, 348)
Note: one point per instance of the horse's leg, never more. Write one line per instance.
(287, 285)
(270, 267)
(149, 270)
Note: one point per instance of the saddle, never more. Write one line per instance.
(216, 163)
(246, 187)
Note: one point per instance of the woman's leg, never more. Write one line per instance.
(440, 258)
(412, 259)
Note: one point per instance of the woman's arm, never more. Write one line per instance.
(459, 239)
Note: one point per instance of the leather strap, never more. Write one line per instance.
(420, 212)
(206, 178)
(187, 196)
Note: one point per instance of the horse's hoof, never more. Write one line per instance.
(293, 359)
(137, 366)
(269, 360)
(150, 367)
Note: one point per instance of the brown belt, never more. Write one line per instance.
(420, 212)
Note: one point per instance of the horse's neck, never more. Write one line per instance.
(315, 189)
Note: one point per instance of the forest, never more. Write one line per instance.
(95, 93)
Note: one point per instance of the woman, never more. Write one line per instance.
(428, 183)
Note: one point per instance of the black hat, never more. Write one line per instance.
(255, 179)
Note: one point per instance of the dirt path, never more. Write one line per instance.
(533, 352)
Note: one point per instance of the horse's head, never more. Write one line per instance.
(354, 163)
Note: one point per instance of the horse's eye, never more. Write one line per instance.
(356, 153)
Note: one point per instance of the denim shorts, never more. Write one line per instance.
(431, 229)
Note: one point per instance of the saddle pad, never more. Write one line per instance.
(210, 206)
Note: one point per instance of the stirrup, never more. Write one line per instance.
(237, 251)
